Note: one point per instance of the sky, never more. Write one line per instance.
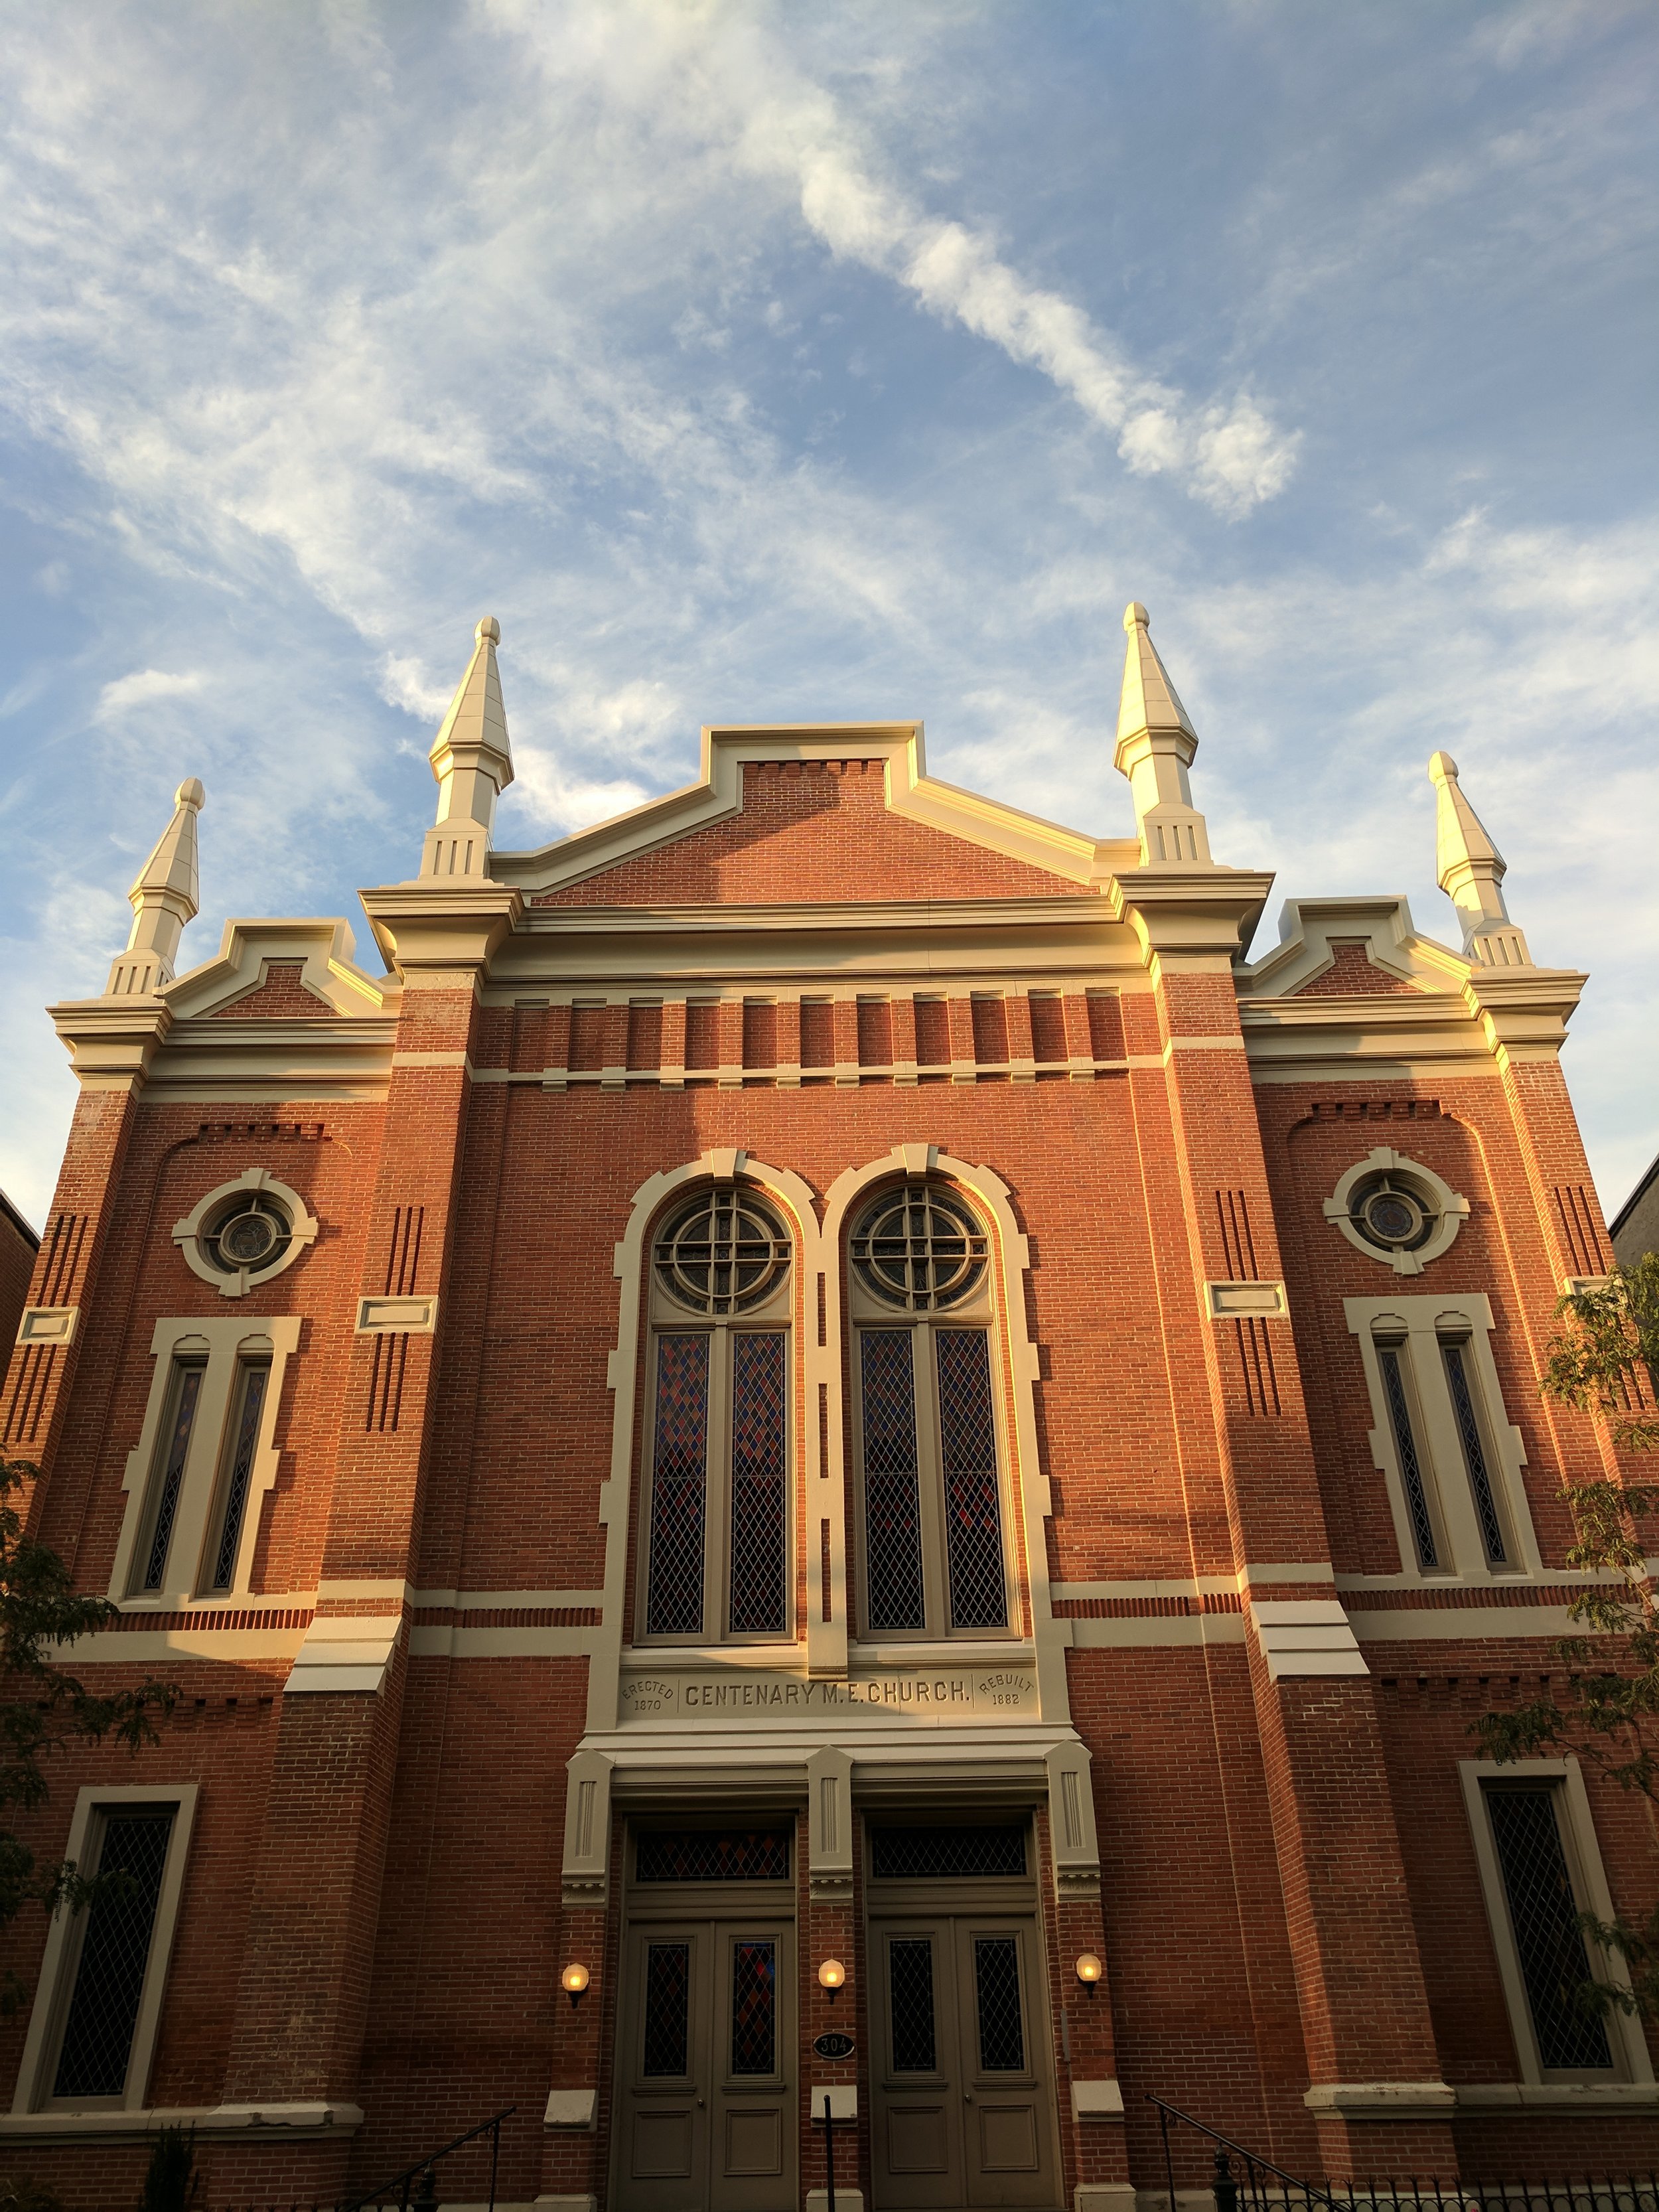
(759, 361)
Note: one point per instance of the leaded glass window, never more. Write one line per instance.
(244, 1442)
(996, 1989)
(179, 1428)
(754, 2007)
(934, 1535)
(1474, 1454)
(953, 1854)
(892, 1505)
(109, 1980)
(725, 1253)
(919, 1249)
(718, 1511)
(712, 1854)
(679, 1475)
(910, 2003)
(1543, 1915)
(1410, 1465)
(968, 1453)
(667, 2009)
(758, 1503)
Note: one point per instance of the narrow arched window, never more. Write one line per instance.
(934, 1529)
(717, 1549)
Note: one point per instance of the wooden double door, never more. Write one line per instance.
(706, 2071)
(962, 2087)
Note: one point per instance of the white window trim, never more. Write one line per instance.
(1024, 1472)
(187, 1233)
(1424, 1323)
(63, 1944)
(1452, 1211)
(826, 1640)
(222, 1343)
(1625, 2036)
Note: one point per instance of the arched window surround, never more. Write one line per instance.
(989, 1196)
(627, 1376)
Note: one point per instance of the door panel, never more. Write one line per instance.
(917, 2139)
(1011, 2157)
(706, 2068)
(754, 2087)
(964, 2110)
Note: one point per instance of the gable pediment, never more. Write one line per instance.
(277, 970)
(1350, 948)
(834, 812)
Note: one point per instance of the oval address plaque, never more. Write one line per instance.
(833, 2045)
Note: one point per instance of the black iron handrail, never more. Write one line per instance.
(1628, 2192)
(1167, 2112)
(423, 2166)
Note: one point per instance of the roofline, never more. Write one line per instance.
(1634, 1200)
(32, 1236)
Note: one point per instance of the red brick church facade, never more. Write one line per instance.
(826, 1372)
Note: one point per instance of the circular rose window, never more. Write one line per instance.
(724, 1253)
(920, 1248)
(1396, 1210)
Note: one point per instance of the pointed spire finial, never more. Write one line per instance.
(472, 759)
(1471, 871)
(165, 896)
(1156, 742)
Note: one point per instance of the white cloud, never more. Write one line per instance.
(732, 86)
(678, 337)
(143, 688)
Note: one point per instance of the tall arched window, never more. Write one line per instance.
(934, 1534)
(716, 1549)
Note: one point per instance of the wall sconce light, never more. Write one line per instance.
(573, 1980)
(1089, 1971)
(831, 1975)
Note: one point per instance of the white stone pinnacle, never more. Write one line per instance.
(165, 895)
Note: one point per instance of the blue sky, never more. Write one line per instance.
(755, 360)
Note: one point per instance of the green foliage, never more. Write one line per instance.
(172, 2183)
(44, 1709)
(1603, 1361)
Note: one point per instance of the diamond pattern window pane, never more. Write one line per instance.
(945, 1854)
(757, 1485)
(996, 1979)
(667, 2006)
(725, 1253)
(679, 1474)
(892, 1510)
(910, 2003)
(973, 1513)
(173, 1472)
(254, 1380)
(712, 1854)
(1543, 1913)
(919, 1249)
(104, 2010)
(1405, 1442)
(1474, 1457)
(754, 2007)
